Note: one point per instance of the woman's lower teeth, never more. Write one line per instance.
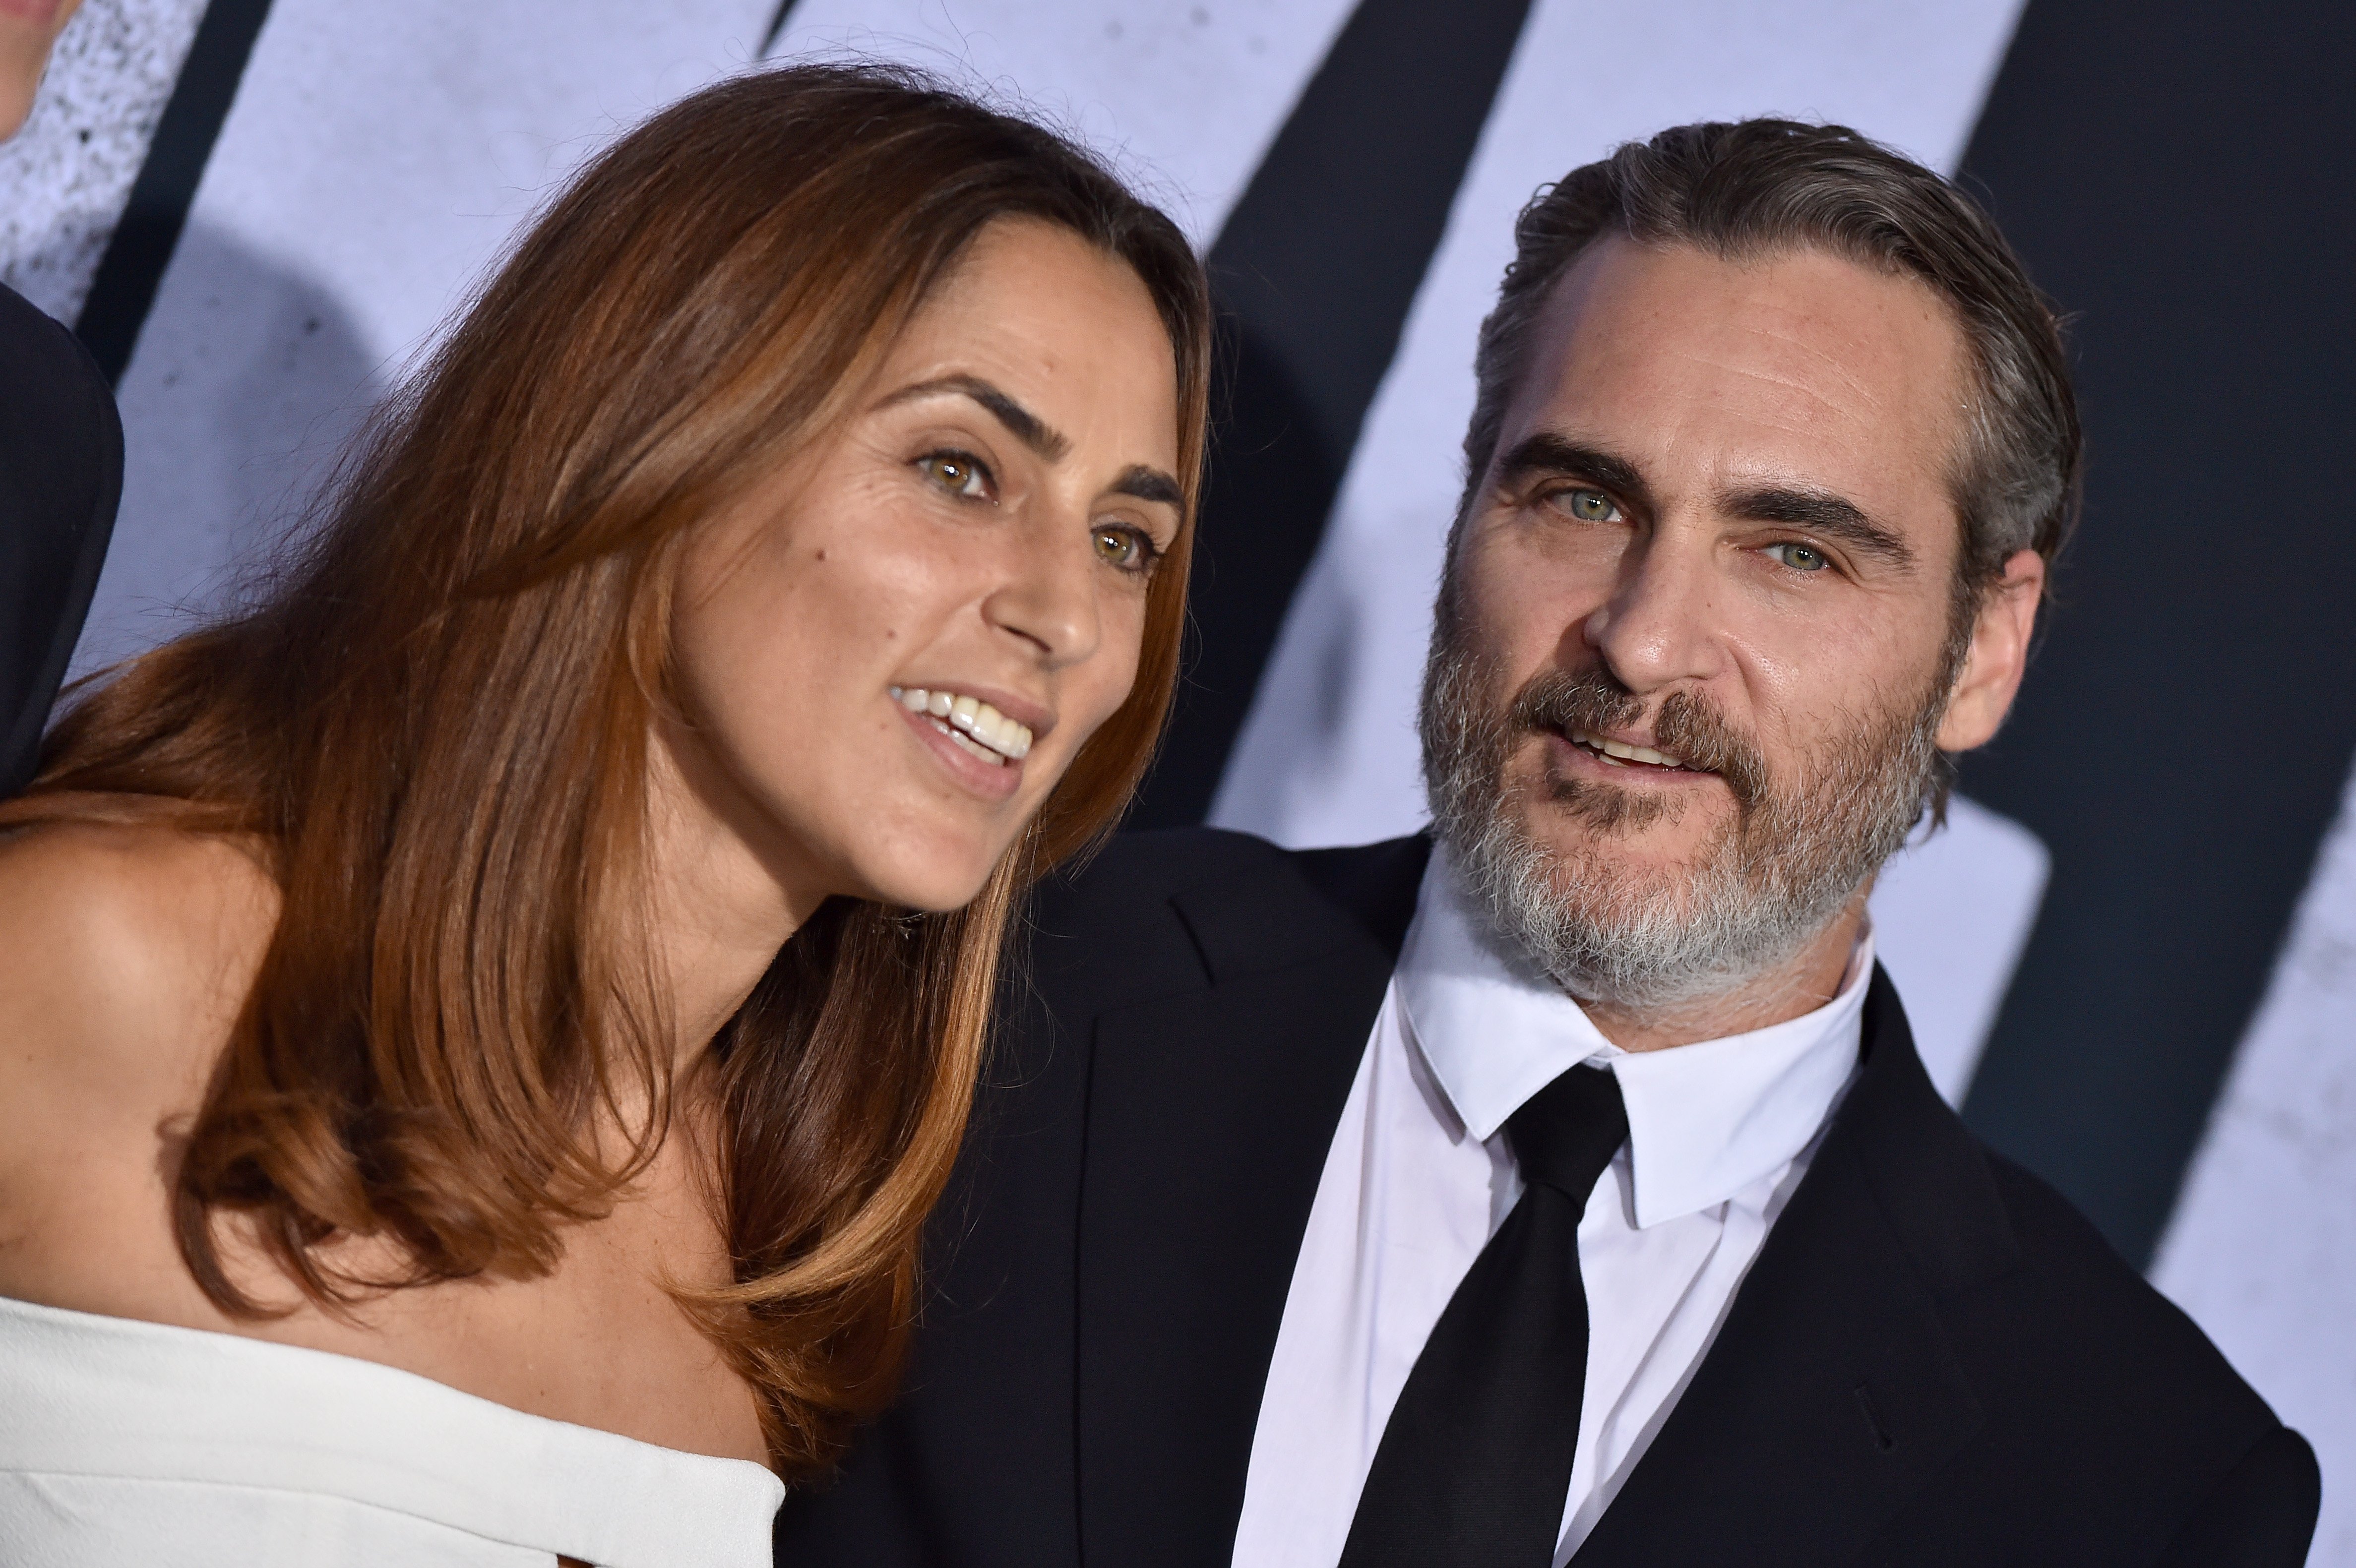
(970, 744)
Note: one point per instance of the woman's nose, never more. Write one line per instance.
(1048, 596)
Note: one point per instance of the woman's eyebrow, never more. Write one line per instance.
(1149, 484)
(1021, 422)
(1137, 480)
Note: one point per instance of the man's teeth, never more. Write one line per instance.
(971, 723)
(1618, 751)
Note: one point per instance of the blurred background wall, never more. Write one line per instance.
(2131, 956)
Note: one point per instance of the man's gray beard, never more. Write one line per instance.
(1787, 862)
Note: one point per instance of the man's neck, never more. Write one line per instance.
(1808, 981)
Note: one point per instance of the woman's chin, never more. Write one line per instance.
(934, 883)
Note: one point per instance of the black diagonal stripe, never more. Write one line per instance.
(1314, 273)
(142, 241)
(2184, 174)
(776, 29)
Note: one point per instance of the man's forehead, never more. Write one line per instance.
(1738, 372)
(1618, 283)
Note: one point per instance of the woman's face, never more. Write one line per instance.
(27, 30)
(890, 651)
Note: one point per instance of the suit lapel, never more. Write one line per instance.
(1832, 1393)
(1209, 1117)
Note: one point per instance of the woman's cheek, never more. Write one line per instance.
(1108, 686)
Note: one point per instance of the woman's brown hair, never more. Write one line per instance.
(433, 727)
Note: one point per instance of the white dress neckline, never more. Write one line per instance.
(149, 1409)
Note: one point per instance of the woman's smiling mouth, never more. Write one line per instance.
(975, 726)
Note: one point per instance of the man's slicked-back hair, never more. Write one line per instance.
(1757, 189)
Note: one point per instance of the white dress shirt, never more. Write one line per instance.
(1418, 1177)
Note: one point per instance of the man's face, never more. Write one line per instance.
(1699, 656)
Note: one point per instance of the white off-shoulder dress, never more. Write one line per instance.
(123, 1442)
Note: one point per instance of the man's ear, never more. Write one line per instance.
(1998, 656)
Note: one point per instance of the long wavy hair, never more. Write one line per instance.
(432, 726)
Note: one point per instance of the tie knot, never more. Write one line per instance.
(1568, 1132)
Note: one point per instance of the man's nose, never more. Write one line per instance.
(1047, 597)
(1659, 628)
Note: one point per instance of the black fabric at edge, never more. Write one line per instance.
(60, 477)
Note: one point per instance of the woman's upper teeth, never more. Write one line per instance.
(1628, 753)
(971, 716)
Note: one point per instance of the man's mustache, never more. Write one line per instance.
(1686, 727)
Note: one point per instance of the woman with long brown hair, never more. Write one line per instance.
(483, 1025)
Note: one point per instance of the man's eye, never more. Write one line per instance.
(1588, 505)
(1798, 557)
(961, 474)
(1124, 548)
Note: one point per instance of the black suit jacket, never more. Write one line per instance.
(1934, 1360)
(60, 477)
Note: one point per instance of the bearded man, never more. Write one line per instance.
(1562, 1185)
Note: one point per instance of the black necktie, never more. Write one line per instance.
(1475, 1468)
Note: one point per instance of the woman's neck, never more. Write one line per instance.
(721, 898)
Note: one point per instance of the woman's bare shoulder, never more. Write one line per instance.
(130, 951)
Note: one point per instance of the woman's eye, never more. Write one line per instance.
(961, 476)
(1798, 557)
(1124, 548)
(1588, 505)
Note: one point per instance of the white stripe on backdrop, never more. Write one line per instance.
(379, 156)
(68, 173)
(1185, 97)
(2262, 1248)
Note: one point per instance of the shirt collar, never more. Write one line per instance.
(1705, 1120)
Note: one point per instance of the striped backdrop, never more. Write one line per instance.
(2132, 956)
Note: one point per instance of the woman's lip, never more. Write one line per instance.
(40, 13)
(991, 781)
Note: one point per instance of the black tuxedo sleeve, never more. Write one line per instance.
(2261, 1515)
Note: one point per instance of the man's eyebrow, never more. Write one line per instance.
(1547, 454)
(1149, 484)
(1021, 422)
(1822, 512)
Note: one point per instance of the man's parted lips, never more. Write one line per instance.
(1684, 734)
(1627, 754)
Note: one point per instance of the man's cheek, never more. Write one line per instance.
(1518, 630)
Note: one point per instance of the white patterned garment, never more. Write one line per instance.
(125, 1442)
